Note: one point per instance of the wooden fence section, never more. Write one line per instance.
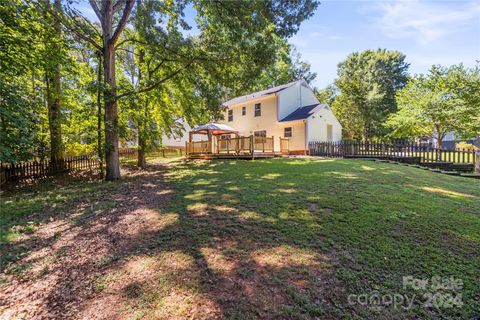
(371, 149)
(127, 153)
(31, 170)
(39, 169)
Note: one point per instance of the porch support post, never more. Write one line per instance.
(477, 161)
(209, 133)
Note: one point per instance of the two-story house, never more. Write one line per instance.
(290, 110)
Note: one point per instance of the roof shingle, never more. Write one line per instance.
(259, 94)
(302, 112)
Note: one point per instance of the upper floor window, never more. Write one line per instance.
(244, 111)
(258, 110)
(230, 115)
(287, 132)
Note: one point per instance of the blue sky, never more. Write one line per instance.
(427, 32)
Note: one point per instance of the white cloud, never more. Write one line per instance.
(316, 34)
(425, 21)
(298, 42)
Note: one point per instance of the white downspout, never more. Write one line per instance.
(306, 135)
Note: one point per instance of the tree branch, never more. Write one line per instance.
(75, 31)
(123, 20)
(95, 8)
(157, 83)
(118, 5)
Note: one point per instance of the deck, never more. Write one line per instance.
(249, 148)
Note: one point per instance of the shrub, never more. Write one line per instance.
(465, 145)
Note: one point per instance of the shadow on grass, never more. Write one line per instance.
(238, 239)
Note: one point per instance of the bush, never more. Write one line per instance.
(465, 145)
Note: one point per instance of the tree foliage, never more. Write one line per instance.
(445, 100)
(166, 66)
(367, 82)
(328, 94)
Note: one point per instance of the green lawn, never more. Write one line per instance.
(281, 238)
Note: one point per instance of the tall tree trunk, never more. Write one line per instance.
(142, 143)
(99, 116)
(110, 91)
(439, 138)
(105, 15)
(54, 92)
(141, 161)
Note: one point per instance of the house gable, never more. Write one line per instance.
(294, 97)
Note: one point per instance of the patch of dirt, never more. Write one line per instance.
(143, 256)
(57, 275)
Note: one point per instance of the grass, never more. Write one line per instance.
(281, 238)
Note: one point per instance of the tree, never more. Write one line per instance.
(465, 84)
(367, 82)
(288, 66)
(230, 32)
(327, 95)
(436, 104)
(54, 55)
(20, 59)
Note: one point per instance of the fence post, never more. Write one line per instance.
(477, 161)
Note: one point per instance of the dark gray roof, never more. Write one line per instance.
(262, 93)
(302, 112)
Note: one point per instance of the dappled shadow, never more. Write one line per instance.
(224, 239)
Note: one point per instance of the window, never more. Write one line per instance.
(262, 133)
(258, 110)
(225, 136)
(244, 111)
(287, 132)
(230, 115)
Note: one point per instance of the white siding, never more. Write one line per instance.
(293, 98)
(248, 124)
(317, 126)
(179, 140)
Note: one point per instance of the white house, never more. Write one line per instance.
(291, 110)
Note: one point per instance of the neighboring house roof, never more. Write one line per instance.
(260, 94)
(303, 112)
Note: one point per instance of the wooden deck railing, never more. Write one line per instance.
(236, 145)
(284, 145)
(198, 147)
(263, 144)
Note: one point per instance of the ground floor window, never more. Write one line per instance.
(262, 133)
(225, 136)
(287, 132)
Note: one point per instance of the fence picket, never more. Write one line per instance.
(400, 148)
(38, 169)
